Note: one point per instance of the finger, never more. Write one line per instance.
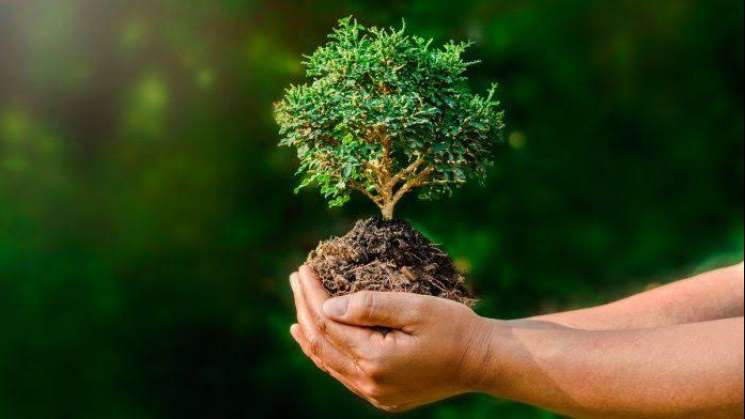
(297, 333)
(354, 340)
(316, 343)
(304, 316)
(392, 310)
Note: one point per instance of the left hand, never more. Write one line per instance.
(434, 350)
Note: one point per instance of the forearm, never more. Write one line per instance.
(687, 371)
(711, 296)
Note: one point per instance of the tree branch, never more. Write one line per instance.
(386, 141)
(375, 198)
(412, 168)
(445, 182)
(412, 183)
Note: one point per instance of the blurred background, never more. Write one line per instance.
(148, 224)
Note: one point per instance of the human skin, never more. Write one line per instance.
(650, 356)
(710, 296)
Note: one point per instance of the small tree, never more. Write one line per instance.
(385, 114)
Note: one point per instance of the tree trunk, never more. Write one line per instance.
(387, 211)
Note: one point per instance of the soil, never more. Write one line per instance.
(379, 255)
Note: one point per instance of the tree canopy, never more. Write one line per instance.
(385, 113)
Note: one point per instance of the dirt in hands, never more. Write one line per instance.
(379, 255)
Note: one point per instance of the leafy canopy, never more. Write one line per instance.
(386, 113)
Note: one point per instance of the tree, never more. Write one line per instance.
(384, 114)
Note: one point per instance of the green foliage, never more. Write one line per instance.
(385, 113)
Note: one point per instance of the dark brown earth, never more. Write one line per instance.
(380, 255)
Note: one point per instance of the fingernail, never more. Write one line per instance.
(336, 307)
(294, 333)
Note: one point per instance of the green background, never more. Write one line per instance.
(148, 225)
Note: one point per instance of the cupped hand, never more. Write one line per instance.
(432, 349)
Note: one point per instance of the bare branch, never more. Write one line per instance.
(445, 182)
(378, 200)
(402, 175)
(417, 181)
(375, 175)
(386, 141)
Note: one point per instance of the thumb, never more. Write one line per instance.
(385, 309)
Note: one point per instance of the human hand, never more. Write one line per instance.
(434, 348)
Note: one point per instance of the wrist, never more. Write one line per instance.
(483, 359)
